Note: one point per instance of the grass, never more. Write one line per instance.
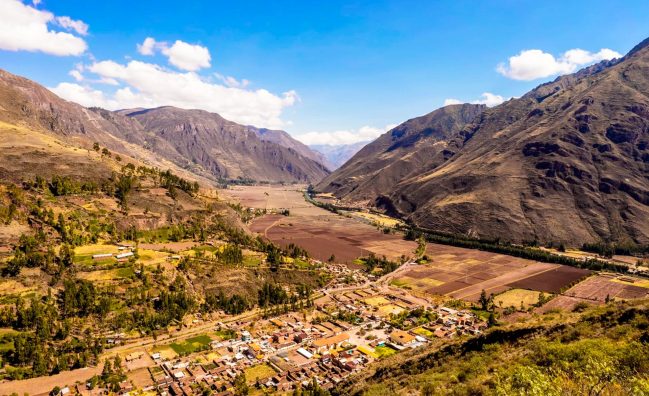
(225, 334)
(108, 275)
(637, 282)
(261, 371)
(514, 297)
(83, 254)
(423, 332)
(390, 309)
(191, 345)
(384, 351)
(377, 301)
(251, 260)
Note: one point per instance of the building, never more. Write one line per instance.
(401, 337)
(324, 344)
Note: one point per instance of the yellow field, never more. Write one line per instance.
(514, 297)
(382, 220)
(390, 309)
(262, 371)
(637, 282)
(377, 301)
(152, 257)
(165, 352)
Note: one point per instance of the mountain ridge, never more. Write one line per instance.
(567, 162)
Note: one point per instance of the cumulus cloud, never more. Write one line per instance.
(185, 56)
(149, 85)
(533, 64)
(188, 57)
(348, 136)
(24, 28)
(487, 98)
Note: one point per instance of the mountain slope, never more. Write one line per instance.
(568, 162)
(224, 148)
(398, 153)
(284, 139)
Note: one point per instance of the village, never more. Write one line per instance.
(351, 325)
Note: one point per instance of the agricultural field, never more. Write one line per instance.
(463, 273)
(596, 288)
(517, 298)
(259, 372)
(320, 232)
(191, 345)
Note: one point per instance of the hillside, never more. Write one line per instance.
(597, 351)
(399, 153)
(193, 143)
(569, 162)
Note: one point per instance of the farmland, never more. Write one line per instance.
(462, 274)
(320, 232)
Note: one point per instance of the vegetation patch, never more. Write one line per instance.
(191, 345)
(261, 371)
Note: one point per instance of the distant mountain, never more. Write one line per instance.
(336, 155)
(569, 161)
(284, 139)
(191, 142)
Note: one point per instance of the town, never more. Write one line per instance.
(347, 330)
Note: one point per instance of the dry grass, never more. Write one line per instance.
(515, 297)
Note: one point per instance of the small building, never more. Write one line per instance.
(401, 337)
(324, 344)
(124, 255)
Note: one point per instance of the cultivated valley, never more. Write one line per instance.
(152, 245)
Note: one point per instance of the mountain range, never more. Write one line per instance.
(567, 162)
(337, 154)
(192, 142)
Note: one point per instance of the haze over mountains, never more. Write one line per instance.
(568, 161)
(198, 142)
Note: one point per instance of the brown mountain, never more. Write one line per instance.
(190, 142)
(399, 153)
(568, 161)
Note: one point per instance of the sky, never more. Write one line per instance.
(327, 72)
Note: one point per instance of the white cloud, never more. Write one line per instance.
(24, 28)
(232, 82)
(487, 98)
(148, 46)
(36, 2)
(188, 57)
(533, 64)
(362, 134)
(76, 74)
(149, 85)
(70, 24)
(185, 56)
(451, 101)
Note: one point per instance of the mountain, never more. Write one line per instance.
(569, 162)
(403, 151)
(337, 154)
(225, 149)
(285, 140)
(192, 143)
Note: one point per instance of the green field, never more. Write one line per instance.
(191, 345)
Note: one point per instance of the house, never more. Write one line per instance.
(401, 337)
(324, 344)
(305, 353)
(124, 255)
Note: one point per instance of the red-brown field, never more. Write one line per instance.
(464, 273)
(596, 288)
(320, 232)
(552, 281)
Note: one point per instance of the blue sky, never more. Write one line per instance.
(337, 69)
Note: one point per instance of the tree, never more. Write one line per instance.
(96, 147)
(484, 300)
(241, 385)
